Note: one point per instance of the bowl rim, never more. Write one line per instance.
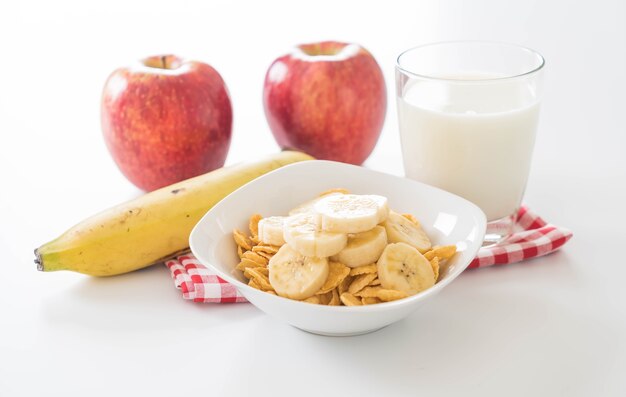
(383, 306)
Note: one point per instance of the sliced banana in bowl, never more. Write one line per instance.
(401, 267)
(307, 207)
(271, 230)
(295, 276)
(303, 233)
(400, 229)
(351, 213)
(363, 248)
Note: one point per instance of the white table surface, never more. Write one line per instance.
(554, 326)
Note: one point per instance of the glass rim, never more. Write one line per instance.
(528, 50)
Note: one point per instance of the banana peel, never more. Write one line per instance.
(151, 228)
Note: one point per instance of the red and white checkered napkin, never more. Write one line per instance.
(533, 237)
(201, 284)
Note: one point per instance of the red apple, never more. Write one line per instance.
(327, 99)
(166, 119)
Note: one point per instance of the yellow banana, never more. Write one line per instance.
(140, 232)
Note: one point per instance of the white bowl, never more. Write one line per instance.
(448, 219)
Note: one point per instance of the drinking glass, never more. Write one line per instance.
(468, 114)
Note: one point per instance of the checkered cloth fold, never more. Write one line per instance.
(201, 284)
(532, 237)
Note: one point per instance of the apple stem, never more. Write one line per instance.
(164, 61)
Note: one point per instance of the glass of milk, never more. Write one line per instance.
(468, 114)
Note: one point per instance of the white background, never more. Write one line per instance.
(552, 326)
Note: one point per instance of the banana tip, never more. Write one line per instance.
(38, 261)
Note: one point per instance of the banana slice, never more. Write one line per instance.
(303, 233)
(271, 230)
(403, 268)
(308, 206)
(295, 276)
(351, 213)
(401, 230)
(363, 248)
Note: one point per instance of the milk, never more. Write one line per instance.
(471, 139)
